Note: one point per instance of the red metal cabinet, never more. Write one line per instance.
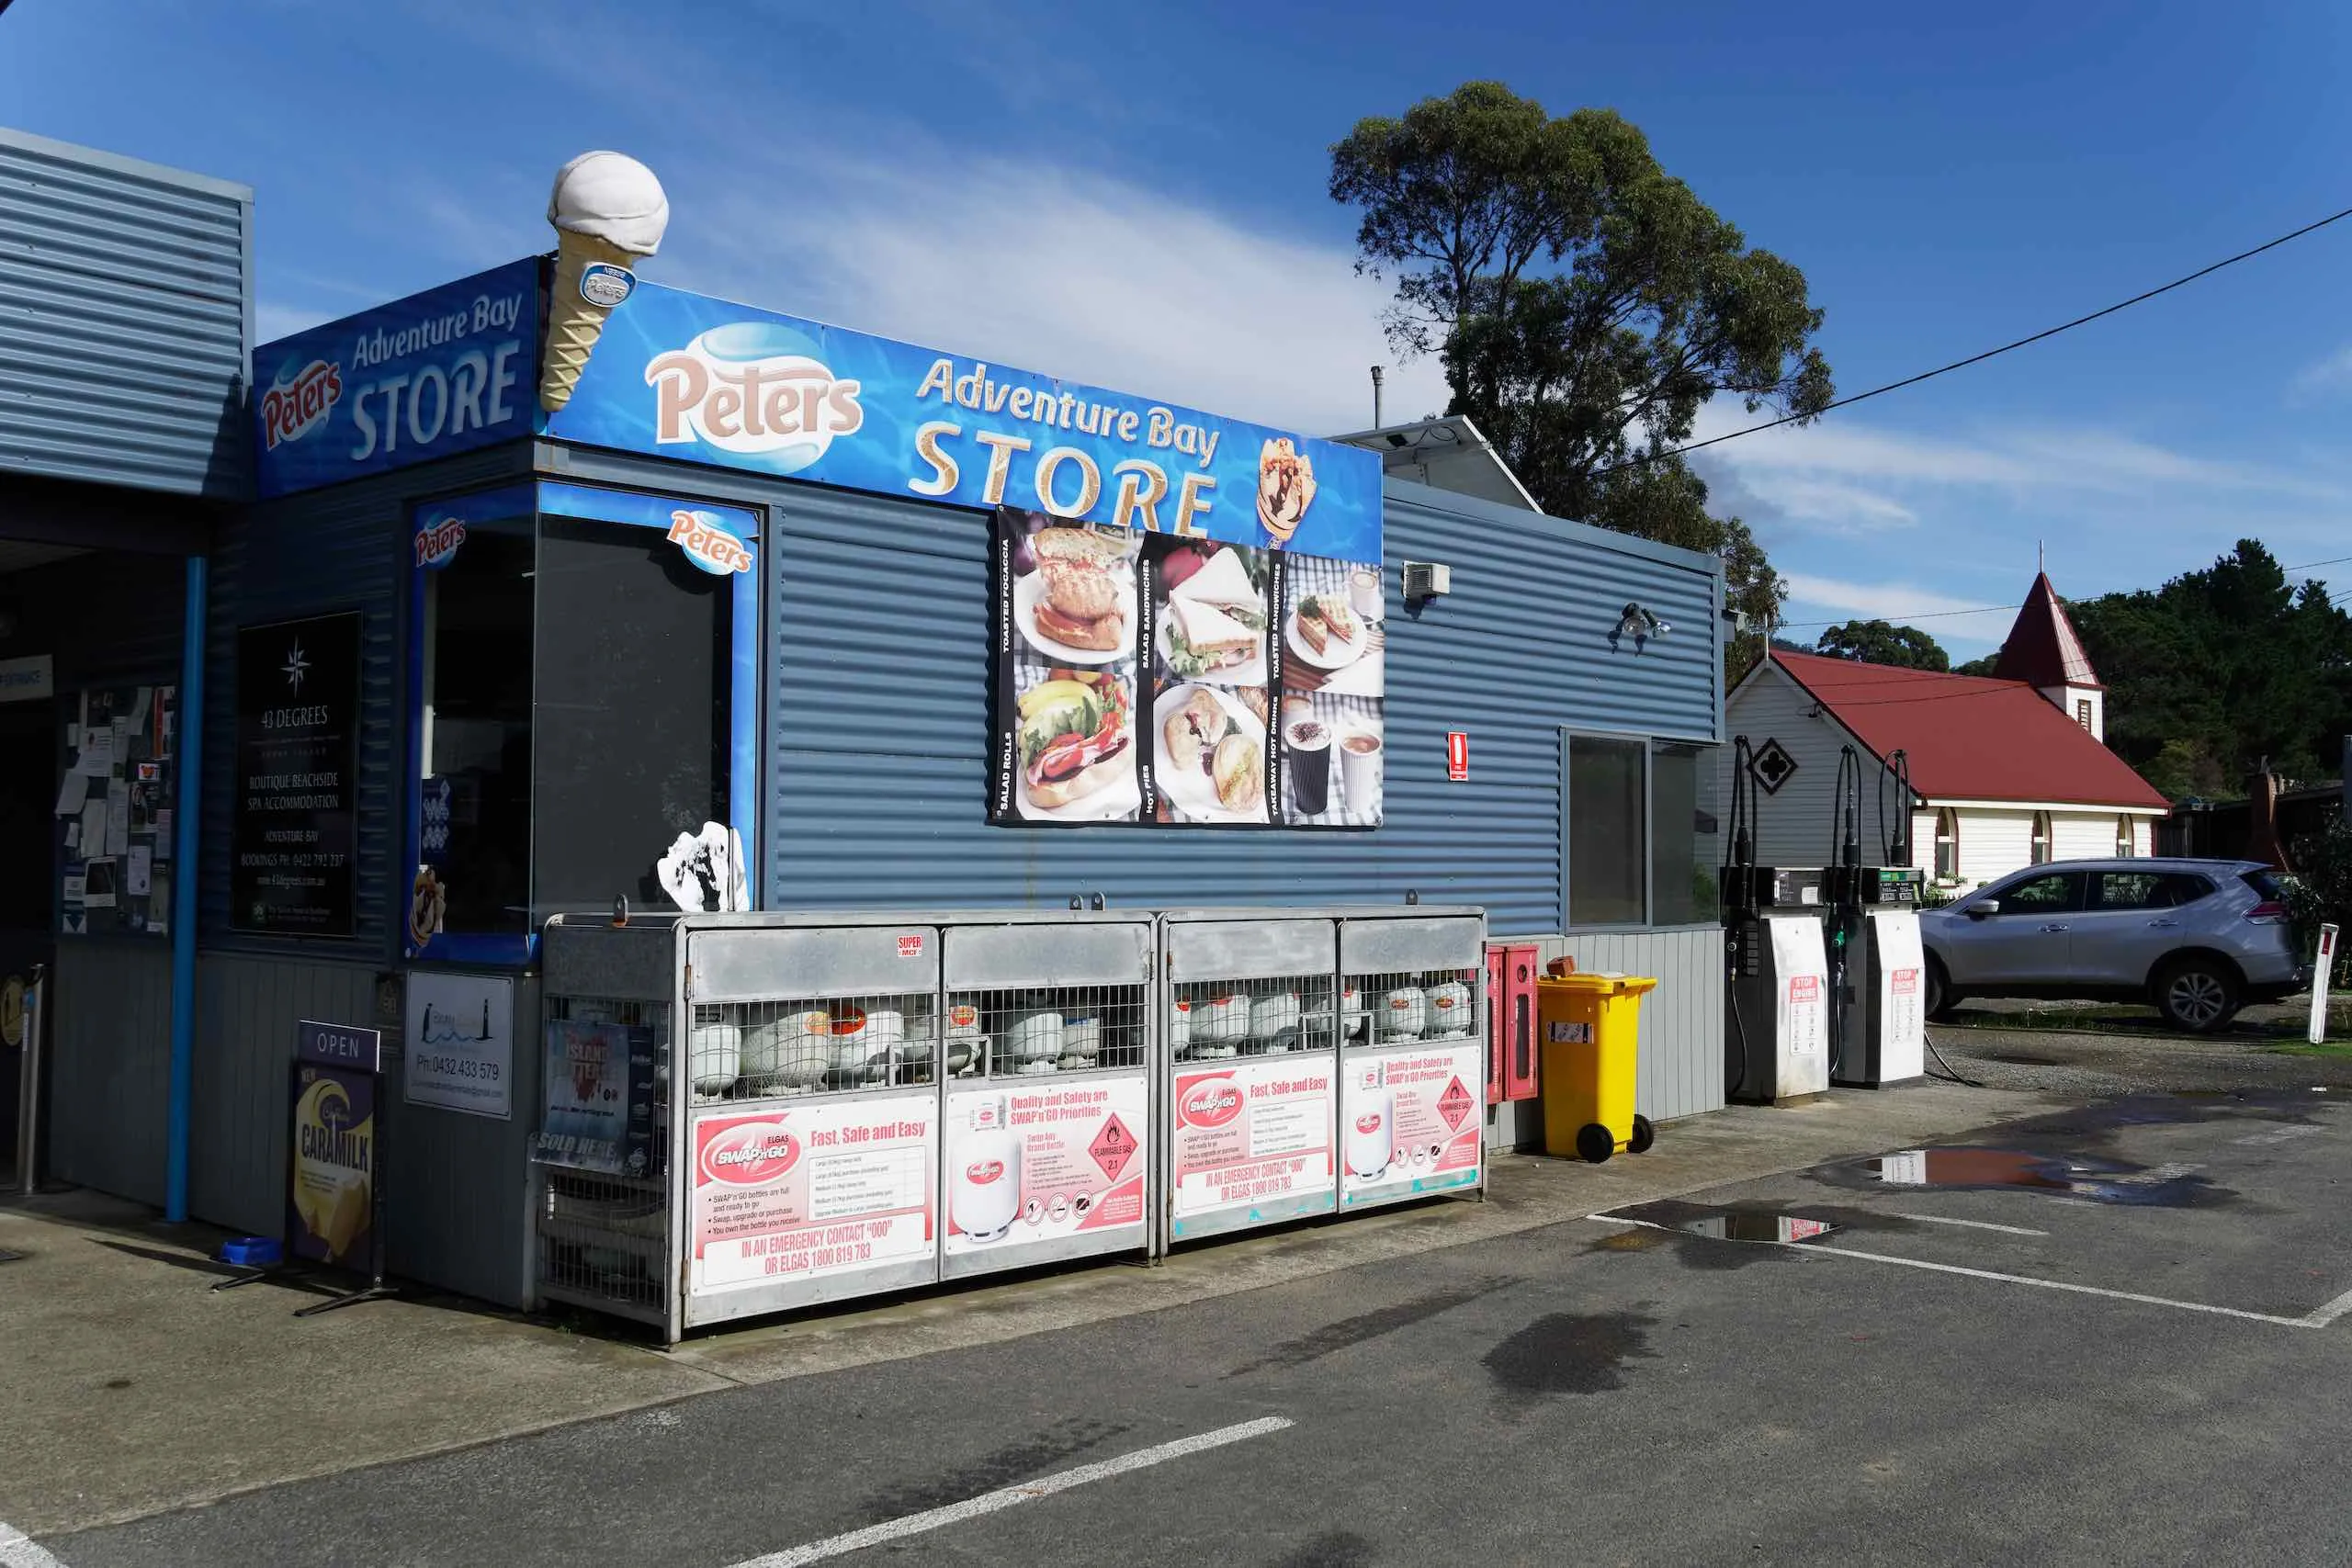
(1512, 973)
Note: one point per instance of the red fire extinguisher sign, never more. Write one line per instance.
(1457, 755)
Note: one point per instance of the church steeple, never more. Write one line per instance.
(2043, 651)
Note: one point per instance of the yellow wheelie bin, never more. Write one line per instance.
(1590, 1026)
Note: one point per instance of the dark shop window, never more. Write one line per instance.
(1684, 848)
(477, 724)
(1608, 831)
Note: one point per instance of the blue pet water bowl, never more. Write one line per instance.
(252, 1252)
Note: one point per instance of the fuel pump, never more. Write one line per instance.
(1877, 966)
(1776, 973)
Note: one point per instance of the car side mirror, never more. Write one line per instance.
(1982, 909)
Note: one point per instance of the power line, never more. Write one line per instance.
(1990, 353)
(1987, 609)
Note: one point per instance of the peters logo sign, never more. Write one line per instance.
(291, 409)
(752, 389)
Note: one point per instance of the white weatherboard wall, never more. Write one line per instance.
(1994, 843)
(1794, 826)
(2082, 835)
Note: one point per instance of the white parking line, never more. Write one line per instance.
(2318, 1319)
(1971, 1224)
(2322, 1316)
(2059, 1285)
(18, 1550)
(2280, 1134)
(993, 1502)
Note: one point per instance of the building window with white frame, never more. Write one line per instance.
(2042, 838)
(1948, 845)
(2083, 712)
(2124, 843)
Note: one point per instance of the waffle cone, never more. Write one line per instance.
(573, 325)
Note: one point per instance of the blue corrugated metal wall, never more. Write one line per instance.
(878, 704)
(123, 311)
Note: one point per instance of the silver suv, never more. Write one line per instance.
(2199, 938)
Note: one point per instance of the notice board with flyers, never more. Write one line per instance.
(114, 809)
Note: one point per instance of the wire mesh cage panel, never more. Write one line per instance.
(1413, 1070)
(601, 1149)
(603, 1243)
(813, 1044)
(1252, 1021)
(1048, 1042)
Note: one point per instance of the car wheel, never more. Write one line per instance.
(1942, 1001)
(2197, 995)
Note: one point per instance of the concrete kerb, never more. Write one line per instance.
(136, 1391)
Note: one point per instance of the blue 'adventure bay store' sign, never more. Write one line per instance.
(438, 373)
(685, 376)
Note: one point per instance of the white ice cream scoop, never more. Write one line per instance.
(610, 197)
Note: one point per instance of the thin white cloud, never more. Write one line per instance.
(1840, 508)
(2333, 374)
(1814, 601)
(273, 320)
(2041, 459)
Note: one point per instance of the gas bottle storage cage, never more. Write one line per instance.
(1411, 1118)
(751, 1113)
(1252, 1069)
(1046, 1141)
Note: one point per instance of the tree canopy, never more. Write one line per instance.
(1878, 642)
(2221, 670)
(1586, 305)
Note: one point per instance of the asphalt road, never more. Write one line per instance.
(1593, 1392)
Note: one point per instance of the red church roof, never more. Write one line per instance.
(1969, 738)
(2043, 649)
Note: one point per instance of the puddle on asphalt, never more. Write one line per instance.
(2070, 1176)
(1563, 1353)
(1724, 1225)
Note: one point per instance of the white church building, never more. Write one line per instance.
(2005, 771)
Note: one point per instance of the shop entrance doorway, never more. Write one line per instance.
(28, 741)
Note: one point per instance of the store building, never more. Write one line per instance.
(473, 664)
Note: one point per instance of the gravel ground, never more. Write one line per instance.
(2117, 1059)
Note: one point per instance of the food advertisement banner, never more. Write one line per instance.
(331, 1188)
(1046, 1160)
(1142, 678)
(1410, 1119)
(798, 1192)
(1252, 1133)
(683, 376)
(598, 1081)
(438, 373)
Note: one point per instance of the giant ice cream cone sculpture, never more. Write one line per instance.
(609, 211)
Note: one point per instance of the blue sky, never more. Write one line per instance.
(1134, 196)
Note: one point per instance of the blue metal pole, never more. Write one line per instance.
(743, 721)
(190, 761)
